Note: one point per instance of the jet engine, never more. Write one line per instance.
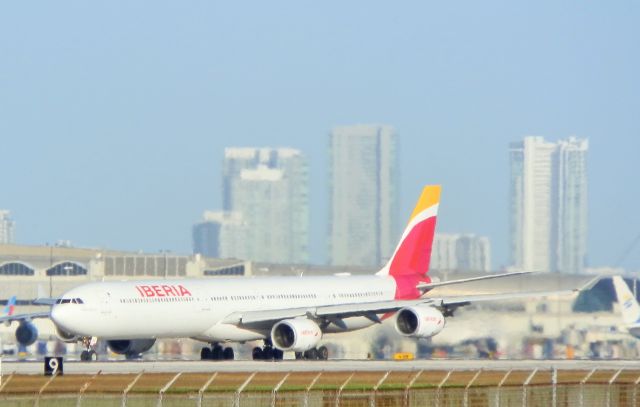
(66, 336)
(419, 321)
(26, 334)
(298, 335)
(130, 347)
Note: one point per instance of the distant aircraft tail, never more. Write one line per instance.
(10, 308)
(628, 305)
(410, 261)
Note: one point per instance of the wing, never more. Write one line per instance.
(25, 317)
(372, 310)
(428, 286)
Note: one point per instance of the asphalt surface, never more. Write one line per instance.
(121, 367)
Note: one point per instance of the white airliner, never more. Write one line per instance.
(629, 306)
(287, 313)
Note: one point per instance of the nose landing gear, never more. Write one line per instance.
(89, 354)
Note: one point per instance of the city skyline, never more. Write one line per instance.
(363, 195)
(108, 136)
(548, 204)
(265, 208)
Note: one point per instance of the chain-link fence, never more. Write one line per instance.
(537, 387)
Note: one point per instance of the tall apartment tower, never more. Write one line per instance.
(548, 204)
(221, 234)
(363, 195)
(267, 189)
(467, 252)
(6, 227)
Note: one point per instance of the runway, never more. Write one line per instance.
(128, 367)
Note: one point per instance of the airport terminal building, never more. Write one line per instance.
(30, 272)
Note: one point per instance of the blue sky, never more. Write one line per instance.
(114, 115)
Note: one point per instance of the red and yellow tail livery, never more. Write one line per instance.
(410, 262)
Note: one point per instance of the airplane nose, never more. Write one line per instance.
(59, 315)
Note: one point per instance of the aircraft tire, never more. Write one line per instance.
(205, 353)
(216, 352)
(311, 354)
(323, 353)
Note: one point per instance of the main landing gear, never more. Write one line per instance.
(216, 352)
(89, 354)
(267, 352)
(321, 353)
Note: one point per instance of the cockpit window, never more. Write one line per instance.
(69, 301)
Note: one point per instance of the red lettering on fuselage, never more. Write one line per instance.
(163, 291)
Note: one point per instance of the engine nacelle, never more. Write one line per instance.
(130, 347)
(419, 321)
(66, 336)
(298, 335)
(27, 333)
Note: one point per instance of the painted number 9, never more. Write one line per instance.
(52, 366)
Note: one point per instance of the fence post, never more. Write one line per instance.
(554, 386)
(465, 400)
(204, 387)
(44, 386)
(613, 379)
(499, 388)
(582, 382)
(166, 387)
(129, 387)
(440, 386)
(524, 387)
(85, 387)
(6, 381)
(275, 389)
(635, 391)
(246, 382)
(342, 388)
(405, 402)
(372, 398)
(306, 393)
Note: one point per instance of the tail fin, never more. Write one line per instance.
(413, 253)
(628, 304)
(10, 308)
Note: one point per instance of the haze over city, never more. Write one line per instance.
(113, 131)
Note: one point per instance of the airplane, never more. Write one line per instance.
(26, 334)
(629, 306)
(286, 313)
(10, 308)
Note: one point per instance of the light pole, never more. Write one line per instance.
(49, 271)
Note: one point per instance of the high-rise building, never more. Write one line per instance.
(461, 253)
(363, 195)
(267, 190)
(206, 237)
(6, 227)
(548, 208)
(221, 234)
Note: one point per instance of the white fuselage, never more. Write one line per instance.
(198, 308)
